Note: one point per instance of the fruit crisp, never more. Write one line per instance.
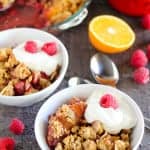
(17, 79)
(38, 13)
(68, 130)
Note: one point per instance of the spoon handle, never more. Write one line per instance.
(147, 122)
(85, 81)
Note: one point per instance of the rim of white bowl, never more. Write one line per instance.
(129, 99)
(62, 71)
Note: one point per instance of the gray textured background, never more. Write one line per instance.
(80, 51)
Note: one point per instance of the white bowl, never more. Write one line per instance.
(13, 37)
(51, 105)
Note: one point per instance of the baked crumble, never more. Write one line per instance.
(18, 79)
(75, 133)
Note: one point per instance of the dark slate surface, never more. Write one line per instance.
(80, 51)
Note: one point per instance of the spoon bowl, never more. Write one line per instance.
(104, 70)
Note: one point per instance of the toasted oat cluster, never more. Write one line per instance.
(93, 137)
(68, 130)
(17, 79)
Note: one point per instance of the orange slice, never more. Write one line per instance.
(110, 34)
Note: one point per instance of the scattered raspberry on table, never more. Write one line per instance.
(141, 75)
(7, 143)
(138, 59)
(16, 126)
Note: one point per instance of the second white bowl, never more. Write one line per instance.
(85, 90)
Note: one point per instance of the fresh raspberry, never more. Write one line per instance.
(31, 47)
(7, 143)
(146, 21)
(148, 51)
(50, 48)
(19, 88)
(16, 126)
(138, 59)
(108, 101)
(141, 75)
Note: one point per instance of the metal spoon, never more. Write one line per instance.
(73, 81)
(104, 70)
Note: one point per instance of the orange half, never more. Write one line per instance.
(110, 34)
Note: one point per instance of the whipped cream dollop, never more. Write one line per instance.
(39, 61)
(113, 120)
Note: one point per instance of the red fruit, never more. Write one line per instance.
(36, 77)
(31, 47)
(13, 12)
(16, 126)
(108, 101)
(38, 6)
(7, 143)
(20, 2)
(44, 75)
(50, 48)
(146, 21)
(19, 88)
(148, 51)
(138, 59)
(141, 75)
(132, 7)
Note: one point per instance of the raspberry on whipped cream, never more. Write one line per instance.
(113, 120)
(108, 101)
(50, 48)
(31, 47)
(40, 60)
